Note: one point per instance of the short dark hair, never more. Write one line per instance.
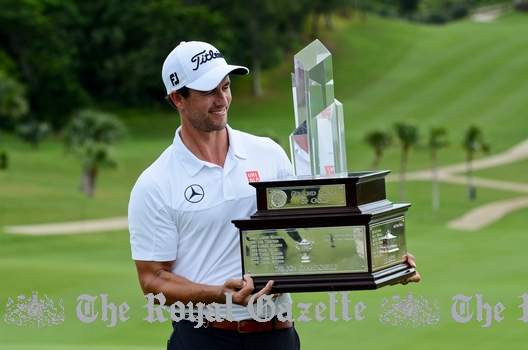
(184, 92)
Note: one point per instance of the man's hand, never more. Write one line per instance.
(243, 289)
(411, 260)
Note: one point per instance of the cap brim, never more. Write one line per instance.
(211, 79)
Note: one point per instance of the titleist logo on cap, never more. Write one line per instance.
(203, 57)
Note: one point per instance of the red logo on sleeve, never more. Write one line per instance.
(253, 176)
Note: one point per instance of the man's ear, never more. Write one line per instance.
(176, 99)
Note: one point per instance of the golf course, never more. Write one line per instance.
(386, 71)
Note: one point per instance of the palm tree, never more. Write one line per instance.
(473, 142)
(437, 140)
(90, 135)
(379, 141)
(408, 136)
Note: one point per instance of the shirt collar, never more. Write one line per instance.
(235, 143)
(192, 164)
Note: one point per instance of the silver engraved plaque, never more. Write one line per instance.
(387, 242)
(305, 251)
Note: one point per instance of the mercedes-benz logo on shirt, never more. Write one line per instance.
(194, 193)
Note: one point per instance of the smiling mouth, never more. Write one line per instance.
(219, 113)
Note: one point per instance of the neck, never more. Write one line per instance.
(207, 146)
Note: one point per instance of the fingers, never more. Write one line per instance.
(247, 287)
(414, 278)
(247, 278)
(243, 295)
(234, 284)
(410, 256)
(265, 290)
(410, 259)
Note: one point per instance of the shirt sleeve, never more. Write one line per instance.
(153, 233)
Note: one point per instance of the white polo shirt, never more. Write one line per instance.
(181, 207)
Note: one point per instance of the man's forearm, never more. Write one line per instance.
(177, 288)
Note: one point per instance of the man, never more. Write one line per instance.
(181, 208)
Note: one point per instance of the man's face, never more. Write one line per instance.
(207, 110)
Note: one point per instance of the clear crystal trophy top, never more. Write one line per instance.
(317, 145)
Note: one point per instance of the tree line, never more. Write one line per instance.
(57, 56)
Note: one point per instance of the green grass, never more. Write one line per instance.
(517, 172)
(43, 185)
(385, 71)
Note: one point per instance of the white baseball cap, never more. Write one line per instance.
(196, 65)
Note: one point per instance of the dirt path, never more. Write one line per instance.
(487, 14)
(488, 214)
(72, 227)
(475, 219)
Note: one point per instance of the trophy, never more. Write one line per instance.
(305, 247)
(325, 228)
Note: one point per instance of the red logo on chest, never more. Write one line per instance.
(253, 176)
